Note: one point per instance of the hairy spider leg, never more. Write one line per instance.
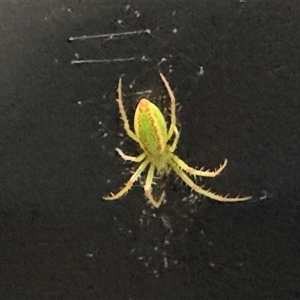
(173, 106)
(174, 144)
(131, 158)
(123, 113)
(202, 191)
(200, 172)
(148, 189)
(130, 182)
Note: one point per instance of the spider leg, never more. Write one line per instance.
(129, 132)
(129, 183)
(131, 158)
(200, 172)
(173, 105)
(202, 191)
(147, 188)
(174, 144)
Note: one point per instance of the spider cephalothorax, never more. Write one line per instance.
(158, 145)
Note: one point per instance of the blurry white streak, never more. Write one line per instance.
(98, 61)
(140, 93)
(108, 35)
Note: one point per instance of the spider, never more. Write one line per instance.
(155, 140)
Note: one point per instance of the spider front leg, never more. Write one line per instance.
(200, 172)
(129, 183)
(123, 113)
(147, 188)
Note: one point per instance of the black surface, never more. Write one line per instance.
(59, 240)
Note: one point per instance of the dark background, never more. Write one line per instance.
(59, 126)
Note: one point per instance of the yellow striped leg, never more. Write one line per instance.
(204, 192)
(200, 172)
(129, 183)
(148, 189)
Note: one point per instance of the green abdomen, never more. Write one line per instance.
(150, 127)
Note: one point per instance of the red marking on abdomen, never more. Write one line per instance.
(144, 103)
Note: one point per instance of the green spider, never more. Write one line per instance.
(151, 133)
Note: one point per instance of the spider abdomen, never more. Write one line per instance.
(150, 127)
